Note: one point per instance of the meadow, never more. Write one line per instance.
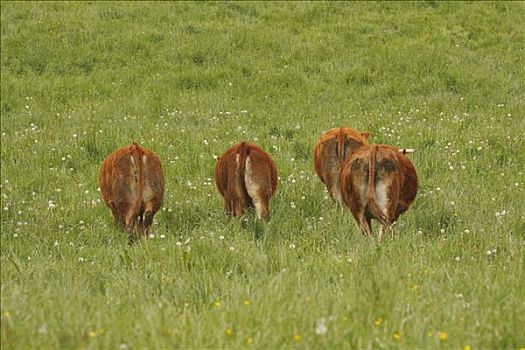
(189, 79)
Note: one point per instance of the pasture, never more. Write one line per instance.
(188, 80)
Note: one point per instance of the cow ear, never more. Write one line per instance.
(365, 134)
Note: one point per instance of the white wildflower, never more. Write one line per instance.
(320, 326)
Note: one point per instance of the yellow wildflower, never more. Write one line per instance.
(467, 347)
(396, 336)
(443, 336)
(229, 331)
(378, 321)
(92, 334)
(297, 338)
(217, 303)
(247, 302)
(249, 341)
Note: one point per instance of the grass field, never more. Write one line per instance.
(188, 79)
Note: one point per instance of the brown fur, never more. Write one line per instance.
(132, 185)
(246, 176)
(380, 182)
(329, 153)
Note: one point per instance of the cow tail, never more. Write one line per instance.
(242, 154)
(340, 145)
(371, 193)
(137, 153)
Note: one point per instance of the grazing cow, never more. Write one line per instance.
(378, 181)
(329, 153)
(132, 186)
(246, 176)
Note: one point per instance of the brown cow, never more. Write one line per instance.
(380, 182)
(132, 185)
(246, 176)
(329, 153)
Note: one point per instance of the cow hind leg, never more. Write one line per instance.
(128, 217)
(260, 202)
(335, 193)
(147, 218)
(121, 212)
(390, 206)
(115, 213)
(228, 204)
(365, 222)
(129, 221)
(227, 207)
(239, 207)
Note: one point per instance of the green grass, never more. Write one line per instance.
(188, 79)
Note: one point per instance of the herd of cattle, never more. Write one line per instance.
(373, 181)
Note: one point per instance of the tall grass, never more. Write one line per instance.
(188, 79)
